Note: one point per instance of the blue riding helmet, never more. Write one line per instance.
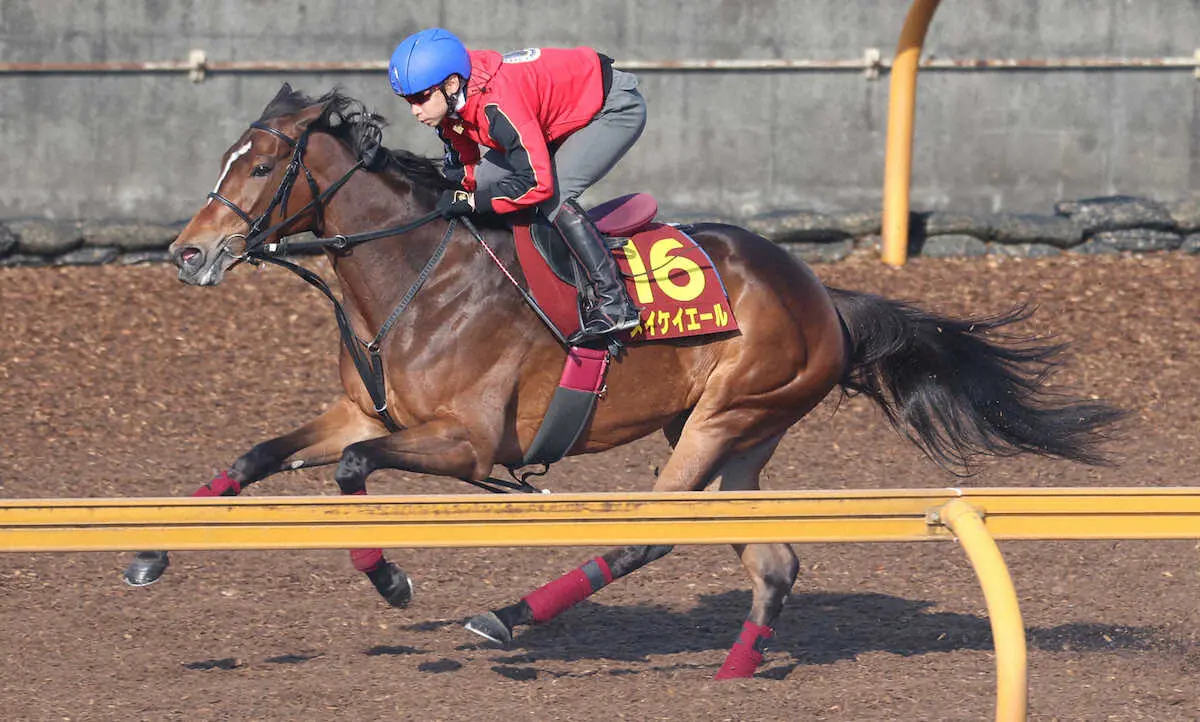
(425, 59)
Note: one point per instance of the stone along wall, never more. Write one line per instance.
(1112, 224)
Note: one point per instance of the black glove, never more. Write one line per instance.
(455, 203)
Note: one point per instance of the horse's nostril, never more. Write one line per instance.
(189, 254)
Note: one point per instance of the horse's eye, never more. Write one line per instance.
(260, 170)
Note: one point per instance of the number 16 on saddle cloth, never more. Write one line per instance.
(675, 283)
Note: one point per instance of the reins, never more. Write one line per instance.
(342, 242)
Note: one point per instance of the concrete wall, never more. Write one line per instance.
(733, 143)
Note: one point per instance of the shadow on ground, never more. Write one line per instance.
(814, 629)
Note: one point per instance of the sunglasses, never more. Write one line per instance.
(421, 97)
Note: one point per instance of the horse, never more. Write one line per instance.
(453, 397)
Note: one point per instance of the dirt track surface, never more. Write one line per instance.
(122, 382)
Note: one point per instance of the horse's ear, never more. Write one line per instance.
(281, 101)
(284, 92)
(311, 114)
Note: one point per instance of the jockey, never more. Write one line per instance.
(555, 121)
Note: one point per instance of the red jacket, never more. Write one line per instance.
(518, 104)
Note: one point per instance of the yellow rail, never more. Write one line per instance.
(902, 105)
(976, 517)
(1008, 631)
(39, 525)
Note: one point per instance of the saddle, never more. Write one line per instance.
(616, 219)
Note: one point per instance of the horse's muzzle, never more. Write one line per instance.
(198, 267)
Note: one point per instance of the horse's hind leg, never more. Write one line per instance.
(686, 470)
(318, 442)
(550, 600)
(553, 598)
(772, 569)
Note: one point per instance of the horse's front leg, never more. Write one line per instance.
(443, 447)
(318, 442)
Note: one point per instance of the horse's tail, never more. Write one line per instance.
(959, 388)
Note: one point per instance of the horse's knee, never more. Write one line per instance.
(353, 469)
(255, 464)
(773, 566)
(784, 573)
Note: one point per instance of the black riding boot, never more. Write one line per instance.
(613, 310)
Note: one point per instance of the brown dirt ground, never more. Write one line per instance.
(122, 382)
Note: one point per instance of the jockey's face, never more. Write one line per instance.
(430, 106)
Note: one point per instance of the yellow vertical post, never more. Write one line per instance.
(1008, 631)
(902, 100)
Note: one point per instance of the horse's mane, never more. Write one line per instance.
(349, 121)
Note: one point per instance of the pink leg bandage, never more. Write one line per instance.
(366, 560)
(568, 590)
(746, 654)
(223, 485)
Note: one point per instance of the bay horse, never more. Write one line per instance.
(458, 398)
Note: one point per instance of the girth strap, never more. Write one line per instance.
(571, 407)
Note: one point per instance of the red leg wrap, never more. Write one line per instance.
(746, 654)
(365, 560)
(223, 485)
(568, 590)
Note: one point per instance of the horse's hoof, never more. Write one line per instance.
(146, 568)
(489, 626)
(392, 584)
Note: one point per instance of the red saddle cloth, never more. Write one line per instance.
(667, 274)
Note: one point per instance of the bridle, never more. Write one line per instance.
(256, 235)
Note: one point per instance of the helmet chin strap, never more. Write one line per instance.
(455, 102)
